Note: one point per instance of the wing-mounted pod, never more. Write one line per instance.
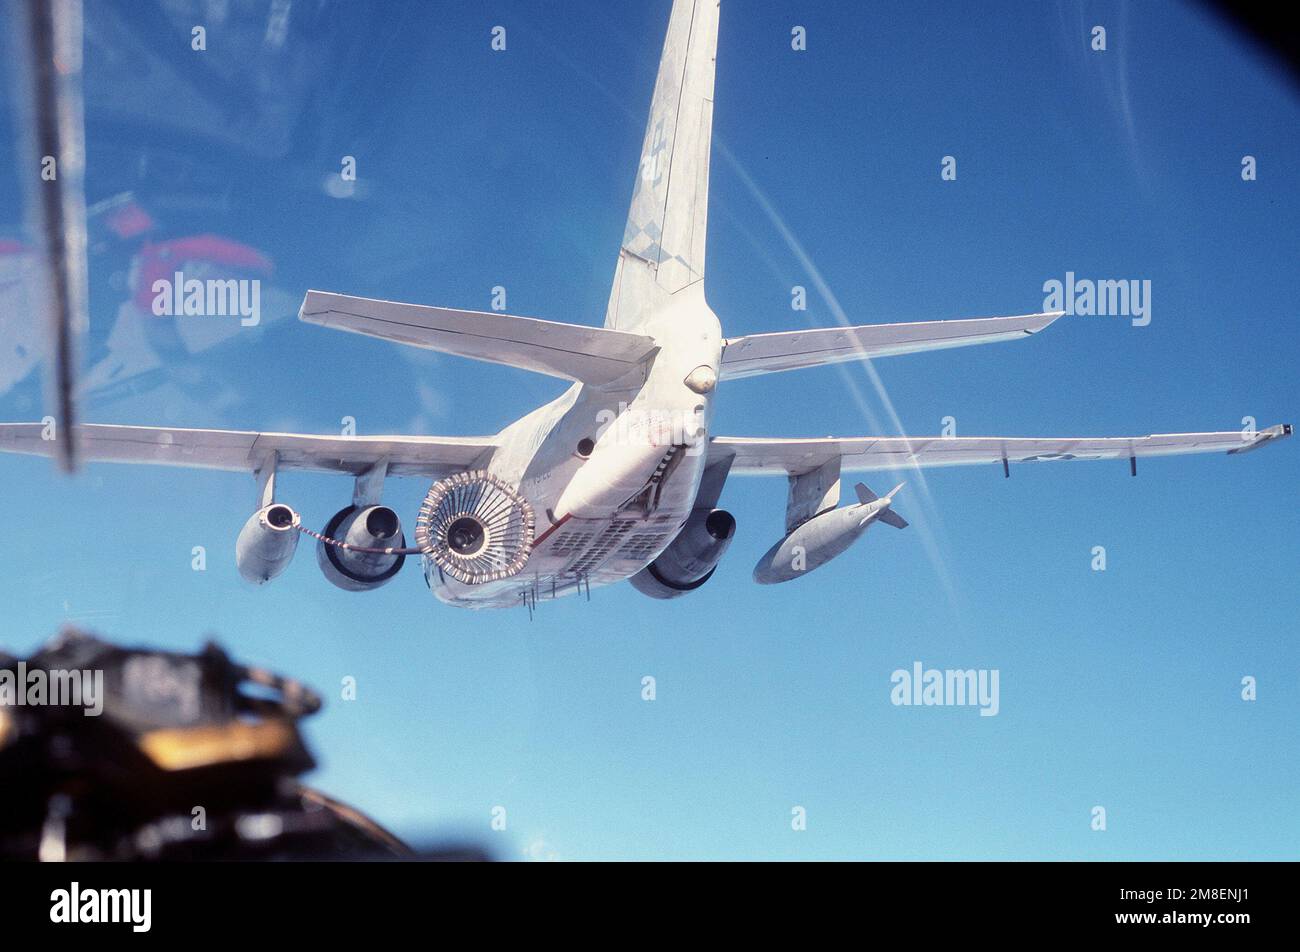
(822, 537)
(267, 542)
(269, 539)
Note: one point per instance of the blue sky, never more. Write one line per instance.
(1118, 688)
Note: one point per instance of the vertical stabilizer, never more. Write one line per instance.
(663, 242)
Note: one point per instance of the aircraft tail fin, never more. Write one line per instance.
(663, 242)
(891, 518)
(885, 515)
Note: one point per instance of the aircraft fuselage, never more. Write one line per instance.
(605, 514)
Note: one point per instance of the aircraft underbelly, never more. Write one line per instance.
(581, 554)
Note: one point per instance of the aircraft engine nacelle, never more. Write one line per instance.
(690, 558)
(267, 542)
(370, 527)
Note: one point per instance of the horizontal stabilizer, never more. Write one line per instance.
(595, 355)
(790, 350)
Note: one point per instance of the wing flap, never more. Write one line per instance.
(791, 350)
(595, 355)
(246, 451)
(796, 456)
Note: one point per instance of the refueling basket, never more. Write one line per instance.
(475, 527)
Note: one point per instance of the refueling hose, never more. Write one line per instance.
(368, 550)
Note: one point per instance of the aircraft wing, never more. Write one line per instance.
(595, 355)
(790, 350)
(247, 451)
(794, 457)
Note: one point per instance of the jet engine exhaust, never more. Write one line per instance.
(691, 558)
(361, 548)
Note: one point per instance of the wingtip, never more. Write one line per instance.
(1263, 437)
(1046, 319)
(310, 309)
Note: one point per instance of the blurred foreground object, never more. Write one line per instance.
(154, 755)
(47, 45)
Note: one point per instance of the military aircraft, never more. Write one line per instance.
(620, 477)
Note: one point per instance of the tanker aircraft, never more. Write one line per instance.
(619, 478)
